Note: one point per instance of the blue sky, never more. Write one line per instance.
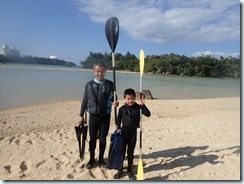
(70, 29)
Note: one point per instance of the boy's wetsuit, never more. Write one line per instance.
(129, 117)
(97, 100)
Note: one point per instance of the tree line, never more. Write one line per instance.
(171, 64)
(35, 60)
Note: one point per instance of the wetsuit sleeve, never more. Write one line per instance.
(145, 111)
(84, 102)
(119, 117)
(111, 85)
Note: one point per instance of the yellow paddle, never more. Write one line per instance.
(140, 172)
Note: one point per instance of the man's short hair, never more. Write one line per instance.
(100, 65)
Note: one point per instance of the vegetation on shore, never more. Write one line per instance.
(167, 64)
(171, 64)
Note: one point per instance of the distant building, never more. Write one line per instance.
(9, 51)
(53, 57)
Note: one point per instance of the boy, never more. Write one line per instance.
(98, 98)
(129, 117)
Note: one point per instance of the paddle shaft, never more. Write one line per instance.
(140, 117)
(114, 81)
(141, 74)
(140, 172)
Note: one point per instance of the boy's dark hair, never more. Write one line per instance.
(129, 92)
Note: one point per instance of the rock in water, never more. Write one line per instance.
(147, 93)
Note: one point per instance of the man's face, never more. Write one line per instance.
(99, 72)
(130, 99)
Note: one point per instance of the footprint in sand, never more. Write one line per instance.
(63, 160)
(43, 137)
(71, 175)
(11, 140)
(58, 166)
(98, 173)
(2, 138)
(78, 165)
(40, 163)
(7, 167)
(32, 142)
(11, 169)
(26, 167)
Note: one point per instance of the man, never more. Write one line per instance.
(97, 100)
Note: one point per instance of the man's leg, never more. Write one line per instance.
(105, 123)
(93, 130)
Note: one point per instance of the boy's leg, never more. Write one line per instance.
(130, 154)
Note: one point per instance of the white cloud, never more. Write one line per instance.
(216, 54)
(169, 21)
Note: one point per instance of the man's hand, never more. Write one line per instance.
(116, 104)
(81, 120)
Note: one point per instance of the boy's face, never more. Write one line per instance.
(130, 99)
(99, 72)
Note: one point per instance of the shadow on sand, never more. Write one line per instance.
(182, 157)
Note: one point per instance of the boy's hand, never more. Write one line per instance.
(119, 130)
(142, 102)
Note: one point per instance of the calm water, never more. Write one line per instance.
(22, 85)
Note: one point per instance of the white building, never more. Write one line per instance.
(53, 57)
(9, 51)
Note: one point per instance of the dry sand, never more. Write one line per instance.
(182, 140)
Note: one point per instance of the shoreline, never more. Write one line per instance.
(54, 67)
(79, 100)
(79, 68)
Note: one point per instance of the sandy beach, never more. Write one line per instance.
(182, 140)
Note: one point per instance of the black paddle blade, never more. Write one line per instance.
(112, 32)
(78, 132)
(84, 136)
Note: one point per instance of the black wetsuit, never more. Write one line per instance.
(129, 117)
(97, 100)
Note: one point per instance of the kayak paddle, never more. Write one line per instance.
(81, 129)
(140, 172)
(112, 35)
(84, 136)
